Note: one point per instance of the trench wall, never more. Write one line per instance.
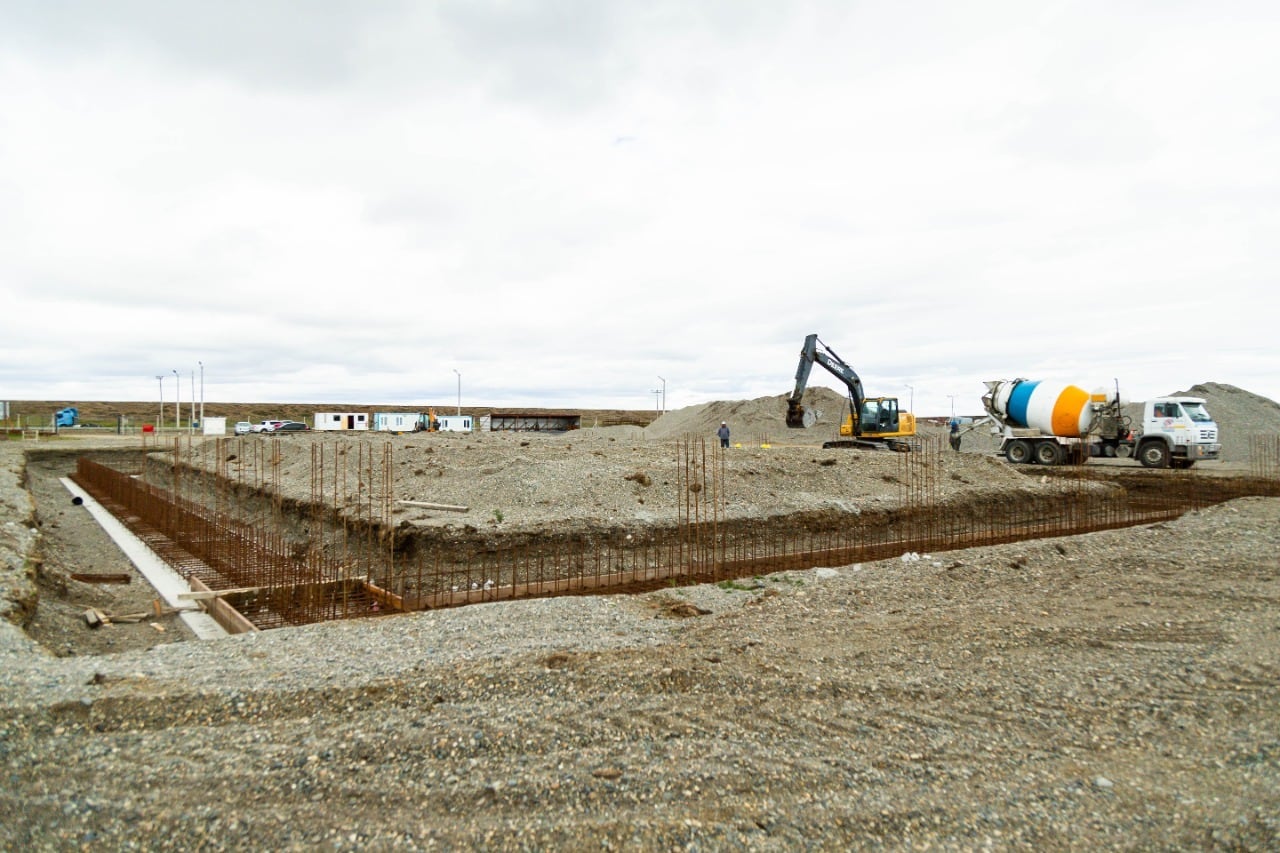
(304, 561)
(19, 549)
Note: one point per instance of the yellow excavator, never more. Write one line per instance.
(872, 422)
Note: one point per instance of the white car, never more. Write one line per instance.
(266, 426)
(244, 428)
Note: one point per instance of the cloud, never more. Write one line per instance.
(352, 203)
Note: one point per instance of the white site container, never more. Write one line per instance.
(341, 420)
(395, 421)
(455, 423)
(214, 426)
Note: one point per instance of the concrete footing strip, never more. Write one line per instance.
(165, 580)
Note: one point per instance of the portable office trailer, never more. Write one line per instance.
(455, 423)
(396, 421)
(341, 420)
(214, 426)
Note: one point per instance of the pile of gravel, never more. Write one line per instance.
(1241, 416)
(763, 419)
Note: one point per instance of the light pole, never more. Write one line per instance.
(192, 426)
(952, 397)
(201, 363)
(656, 397)
(177, 399)
(160, 423)
(455, 370)
(664, 395)
(911, 407)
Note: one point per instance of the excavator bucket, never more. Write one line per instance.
(796, 415)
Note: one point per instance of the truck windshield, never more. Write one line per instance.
(1197, 412)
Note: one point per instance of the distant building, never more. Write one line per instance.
(540, 422)
(396, 421)
(456, 423)
(341, 420)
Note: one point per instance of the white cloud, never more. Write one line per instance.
(566, 201)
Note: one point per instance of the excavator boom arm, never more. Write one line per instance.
(838, 367)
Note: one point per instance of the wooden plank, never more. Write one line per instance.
(205, 595)
(89, 577)
(223, 613)
(385, 597)
(133, 618)
(425, 505)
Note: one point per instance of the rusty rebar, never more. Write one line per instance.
(230, 528)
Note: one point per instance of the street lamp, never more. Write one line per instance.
(952, 397)
(911, 407)
(664, 394)
(201, 363)
(177, 399)
(160, 423)
(455, 370)
(192, 426)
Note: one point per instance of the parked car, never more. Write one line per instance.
(244, 428)
(290, 426)
(266, 426)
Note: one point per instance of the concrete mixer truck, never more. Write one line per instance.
(1054, 424)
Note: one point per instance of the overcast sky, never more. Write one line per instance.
(565, 203)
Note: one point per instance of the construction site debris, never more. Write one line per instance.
(113, 577)
(443, 507)
(205, 595)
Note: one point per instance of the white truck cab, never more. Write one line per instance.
(1177, 432)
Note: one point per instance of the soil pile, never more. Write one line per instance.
(512, 482)
(762, 420)
(1241, 417)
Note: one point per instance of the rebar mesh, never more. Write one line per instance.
(338, 555)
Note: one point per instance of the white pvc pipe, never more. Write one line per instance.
(165, 580)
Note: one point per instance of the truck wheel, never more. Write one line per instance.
(1154, 454)
(1048, 453)
(1018, 452)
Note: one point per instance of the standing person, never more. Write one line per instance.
(955, 434)
(723, 432)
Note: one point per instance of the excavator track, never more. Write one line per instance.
(895, 444)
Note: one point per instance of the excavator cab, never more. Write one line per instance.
(879, 415)
(880, 418)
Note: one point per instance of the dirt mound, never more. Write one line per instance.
(1240, 415)
(755, 421)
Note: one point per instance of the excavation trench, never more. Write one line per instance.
(272, 561)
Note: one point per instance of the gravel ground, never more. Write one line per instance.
(1081, 693)
(1114, 690)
